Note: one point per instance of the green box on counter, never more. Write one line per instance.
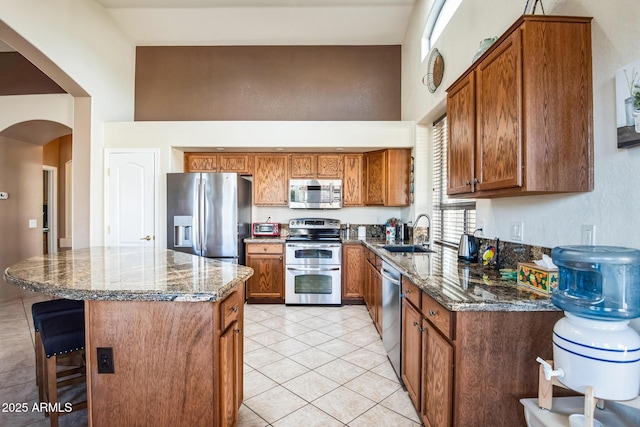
(536, 277)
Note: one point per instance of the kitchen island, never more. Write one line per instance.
(174, 324)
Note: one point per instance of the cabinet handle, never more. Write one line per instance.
(468, 182)
(432, 313)
(476, 180)
(239, 331)
(280, 258)
(415, 323)
(421, 329)
(406, 291)
(234, 309)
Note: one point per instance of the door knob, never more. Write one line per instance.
(147, 238)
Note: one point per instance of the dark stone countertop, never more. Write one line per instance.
(461, 286)
(128, 274)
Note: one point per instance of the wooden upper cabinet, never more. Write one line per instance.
(533, 113)
(352, 180)
(316, 166)
(499, 93)
(330, 166)
(200, 162)
(386, 177)
(303, 165)
(239, 163)
(271, 180)
(208, 162)
(461, 121)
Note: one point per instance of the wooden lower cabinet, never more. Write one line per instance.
(411, 364)
(177, 363)
(466, 368)
(353, 271)
(267, 283)
(374, 295)
(437, 383)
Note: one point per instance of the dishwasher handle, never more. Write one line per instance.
(393, 280)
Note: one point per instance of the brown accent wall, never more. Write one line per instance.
(18, 76)
(267, 83)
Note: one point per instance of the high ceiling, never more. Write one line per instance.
(261, 22)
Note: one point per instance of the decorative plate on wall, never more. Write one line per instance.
(435, 71)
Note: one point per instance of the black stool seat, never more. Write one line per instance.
(46, 309)
(63, 334)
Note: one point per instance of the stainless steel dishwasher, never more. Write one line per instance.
(391, 322)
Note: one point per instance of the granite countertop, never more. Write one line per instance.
(279, 239)
(460, 286)
(128, 274)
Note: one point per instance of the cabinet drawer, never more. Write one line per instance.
(439, 316)
(229, 309)
(264, 248)
(411, 292)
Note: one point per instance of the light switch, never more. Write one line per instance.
(33, 223)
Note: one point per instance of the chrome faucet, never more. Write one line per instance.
(415, 224)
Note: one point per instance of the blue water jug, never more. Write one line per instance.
(598, 282)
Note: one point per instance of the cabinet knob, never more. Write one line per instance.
(234, 309)
(415, 323)
(280, 258)
(406, 291)
(239, 331)
(432, 313)
(468, 182)
(476, 180)
(421, 329)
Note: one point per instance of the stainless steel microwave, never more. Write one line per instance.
(315, 193)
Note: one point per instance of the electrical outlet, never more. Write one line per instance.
(4, 195)
(517, 231)
(480, 227)
(33, 223)
(588, 234)
(105, 360)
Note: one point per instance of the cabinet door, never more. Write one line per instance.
(375, 178)
(200, 162)
(352, 180)
(303, 166)
(377, 298)
(411, 351)
(267, 281)
(499, 108)
(353, 272)
(437, 378)
(270, 180)
(230, 379)
(461, 122)
(238, 163)
(330, 166)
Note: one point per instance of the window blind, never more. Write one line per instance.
(451, 217)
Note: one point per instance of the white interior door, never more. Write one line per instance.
(131, 198)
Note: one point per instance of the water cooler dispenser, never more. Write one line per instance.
(593, 345)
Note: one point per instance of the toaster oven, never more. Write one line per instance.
(271, 229)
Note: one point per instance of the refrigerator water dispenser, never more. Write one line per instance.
(183, 231)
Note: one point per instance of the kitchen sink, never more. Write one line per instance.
(407, 248)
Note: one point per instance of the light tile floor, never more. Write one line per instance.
(304, 365)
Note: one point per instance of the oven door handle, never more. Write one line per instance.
(303, 246)
(313, 269)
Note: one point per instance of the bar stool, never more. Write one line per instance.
(61, 336)
(41, 311)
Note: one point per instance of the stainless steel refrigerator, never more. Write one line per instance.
(209, 214)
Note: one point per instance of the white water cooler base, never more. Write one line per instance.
(615, 414)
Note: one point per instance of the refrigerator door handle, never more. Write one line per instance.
(197, 232)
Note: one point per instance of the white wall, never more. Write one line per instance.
(614, 205)
(86, 44)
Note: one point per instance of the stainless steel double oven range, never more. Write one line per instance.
(314, 262)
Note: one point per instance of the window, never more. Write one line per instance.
(439, 16)
(451, 217)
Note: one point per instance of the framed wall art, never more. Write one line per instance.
(628, 105)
